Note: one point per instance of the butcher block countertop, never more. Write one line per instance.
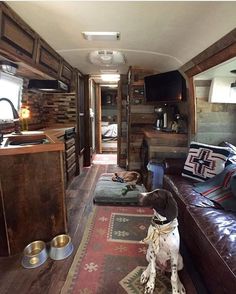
(17, 144)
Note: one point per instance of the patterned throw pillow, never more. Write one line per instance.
(205, 161)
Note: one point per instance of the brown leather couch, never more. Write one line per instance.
(209, 233)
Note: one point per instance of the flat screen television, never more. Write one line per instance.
(165, 87)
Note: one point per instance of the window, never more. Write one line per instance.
(11, 88)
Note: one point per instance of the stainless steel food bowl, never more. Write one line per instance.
(60, 247)
(34, 254)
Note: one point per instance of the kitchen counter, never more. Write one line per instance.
(51, 134)
(57, 131)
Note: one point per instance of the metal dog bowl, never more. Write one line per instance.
(34, 254)
(60, 247)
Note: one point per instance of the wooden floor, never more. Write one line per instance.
(50, 277)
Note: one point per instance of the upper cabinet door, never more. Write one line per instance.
(16, 37)
(47, 59)
(66, 72)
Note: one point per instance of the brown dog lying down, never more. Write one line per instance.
(162, 239)
(130, 177)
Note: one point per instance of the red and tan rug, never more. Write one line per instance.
(110, 258)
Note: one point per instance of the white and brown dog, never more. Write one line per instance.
(163, 240)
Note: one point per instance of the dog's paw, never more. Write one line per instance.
(149, 288)
(144, 278)
(179, 289)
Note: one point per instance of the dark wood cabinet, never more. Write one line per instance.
(66, 74)
(71, 161)
(159, 145)
(47, 59)
(16, 37)
(32, 204)
(20, 43)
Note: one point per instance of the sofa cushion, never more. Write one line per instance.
(183, 188)
(221, 188)
(232, 155)
(205, 161)
(211, 235)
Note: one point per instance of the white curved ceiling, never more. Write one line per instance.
(159, 35)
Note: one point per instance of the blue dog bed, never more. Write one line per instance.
(110, 192)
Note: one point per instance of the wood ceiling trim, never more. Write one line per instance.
(222, 50)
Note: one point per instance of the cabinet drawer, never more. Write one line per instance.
(69, 143)
(70, 160)
(47, 59)
(70, 151)
(16, 37)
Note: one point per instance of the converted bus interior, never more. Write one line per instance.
(91, 90)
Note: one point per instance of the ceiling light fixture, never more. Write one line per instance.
(8, 67)
(109, 71)
(109, 85)
(110, 78)
(233, 85)
(106, 57)
(101, 36)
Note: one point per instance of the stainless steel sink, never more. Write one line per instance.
(28, 142)
(26, 139)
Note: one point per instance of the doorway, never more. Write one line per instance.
(109, 126)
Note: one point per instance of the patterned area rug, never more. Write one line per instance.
(110, 258)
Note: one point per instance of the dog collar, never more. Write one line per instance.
(156, 221)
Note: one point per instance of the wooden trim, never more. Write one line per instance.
(98, 118)
(77, 102)
(222, 50)
(192, 107)
(87, 124)
(119, 120)
(215, 48)
(212, 61)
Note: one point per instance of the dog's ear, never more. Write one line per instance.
(171, 210)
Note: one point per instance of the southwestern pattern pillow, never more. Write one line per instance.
(205, 161)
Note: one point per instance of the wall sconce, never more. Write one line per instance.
(24, 115)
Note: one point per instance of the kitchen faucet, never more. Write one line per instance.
(16, 118)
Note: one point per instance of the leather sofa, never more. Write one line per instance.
(208, 232)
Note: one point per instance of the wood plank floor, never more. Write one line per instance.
(50, 277)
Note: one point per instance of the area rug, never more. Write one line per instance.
(106, 158)
(110, 258)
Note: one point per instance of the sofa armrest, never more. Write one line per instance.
(174, 166)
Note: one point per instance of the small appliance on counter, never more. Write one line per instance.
(161, 121)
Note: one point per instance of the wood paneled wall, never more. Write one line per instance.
(122, 121)
(215, 121)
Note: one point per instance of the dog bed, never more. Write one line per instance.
(108, 191)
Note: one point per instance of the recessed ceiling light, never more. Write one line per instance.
(101, 36)
(109, 71)
(109, 85)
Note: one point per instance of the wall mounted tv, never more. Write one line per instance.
(165, 87)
